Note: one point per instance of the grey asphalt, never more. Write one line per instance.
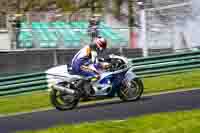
(114, 110)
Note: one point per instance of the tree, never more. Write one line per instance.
(117, 8)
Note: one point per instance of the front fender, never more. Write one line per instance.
(130, 75)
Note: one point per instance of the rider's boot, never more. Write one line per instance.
(86, 88)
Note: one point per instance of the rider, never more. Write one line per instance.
(86, 56)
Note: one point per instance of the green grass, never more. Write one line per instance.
(177, 122)
(172, 82)
(40, 100)
(22, 103)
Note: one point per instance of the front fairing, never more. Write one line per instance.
(119, 73)
(114, 79)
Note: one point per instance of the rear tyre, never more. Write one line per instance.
(63, 101)
(131, 90)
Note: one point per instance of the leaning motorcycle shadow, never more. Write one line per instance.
(111, 102)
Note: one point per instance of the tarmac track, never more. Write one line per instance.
(114, 110)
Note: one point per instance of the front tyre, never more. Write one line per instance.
(63, 101)
(131, 90)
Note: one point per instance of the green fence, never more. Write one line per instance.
(23, 83)
(144, 67)
(166, 64)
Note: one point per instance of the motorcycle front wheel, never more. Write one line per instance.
(131, 90)
(63, 101)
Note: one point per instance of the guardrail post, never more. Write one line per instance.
(55, 59)
(121, 51)
(186, 40)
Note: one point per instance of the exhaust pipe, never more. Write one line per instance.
(63, 89)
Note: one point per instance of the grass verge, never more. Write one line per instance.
(33, 101)
(172, 82)
(176, 122)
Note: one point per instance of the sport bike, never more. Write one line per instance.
(118, 80)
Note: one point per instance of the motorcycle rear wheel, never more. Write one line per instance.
(59, 100)
(132, 90)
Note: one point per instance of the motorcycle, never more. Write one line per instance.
(119, 79)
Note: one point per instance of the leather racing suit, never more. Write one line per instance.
(81, 61)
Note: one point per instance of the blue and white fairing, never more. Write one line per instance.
(108, 84)
(59, 74)
(111, 81)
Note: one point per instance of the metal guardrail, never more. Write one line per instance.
(166, 64)
(144, 67)
(12, 85)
